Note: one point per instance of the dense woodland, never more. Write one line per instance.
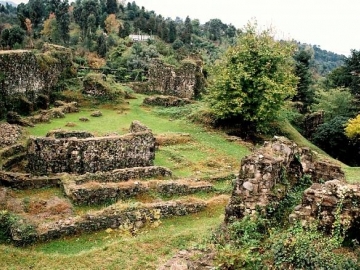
(98, 32)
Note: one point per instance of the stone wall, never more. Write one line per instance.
(122, 175)
(25, 75)
(185, 81)
(330, 201)
(166, 101)
(73, 155)
(266, 175)
(117, 216)
(27, 181)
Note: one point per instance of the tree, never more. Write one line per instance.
(335, 102)
(304, 94)
(111, 24)
(172, 31)
(255, 78)
(352, 128)
(101, 45)
(187, 31)
(111, 6)
(331, 137)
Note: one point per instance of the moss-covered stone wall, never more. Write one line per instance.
(185, 81)
(25, 75)
(76, 155)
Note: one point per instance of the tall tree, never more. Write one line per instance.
(186, 31)
(172, 31)
(305, 94)
(252, 82)
(112, 6)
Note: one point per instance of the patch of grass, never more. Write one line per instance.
(146, 250)
(352, 174)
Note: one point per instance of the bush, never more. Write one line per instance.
(299, 248)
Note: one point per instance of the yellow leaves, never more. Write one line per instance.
(352, 129)
(111, 24)
(49, 25)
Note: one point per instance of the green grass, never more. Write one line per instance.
(183, 159)
(116, 250)
(352, 174)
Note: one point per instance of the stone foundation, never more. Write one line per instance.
(118, 216)
(166, 101)
(27, 181)
(327, 202)
(181, 187)
(73, 155)
(121, 175)
(266, 175)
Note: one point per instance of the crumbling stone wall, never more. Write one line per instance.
(330, 201)
(265, 175)
(25, 75)
(122, 175)
(186, 81)
(27, 181)
(166, 101)
(74, 155)
(117, 216)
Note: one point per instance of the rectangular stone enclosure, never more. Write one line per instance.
(75, 155)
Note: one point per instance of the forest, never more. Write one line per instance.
(254, 87)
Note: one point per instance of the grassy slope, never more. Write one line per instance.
(208, 153)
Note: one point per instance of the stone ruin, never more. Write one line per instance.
(185, 81)
(261, 181)
(260, 184)
(80, 155)
(28, 78)
(166, 101)
(122, 168)
(328, 202)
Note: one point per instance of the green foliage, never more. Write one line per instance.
(238, 246)
(254, 79)
(331, 137)
(335, 102)
(301, 248)
(305, 94)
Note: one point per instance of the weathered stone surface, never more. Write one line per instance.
(122, 175)
(48, 155)
(96, 114)
(330, 201)
(9, 134)
(25, 75)
(116, 216)
(97, 193)
(186, 81)
(63, 134)
(261, 179)
(137, 126)
(27, 181)
(166, 101)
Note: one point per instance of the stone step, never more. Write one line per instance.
(121, 175)
(27, 181)
(117, 216)
(96, 193)
(11, 151)
(10, 162)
